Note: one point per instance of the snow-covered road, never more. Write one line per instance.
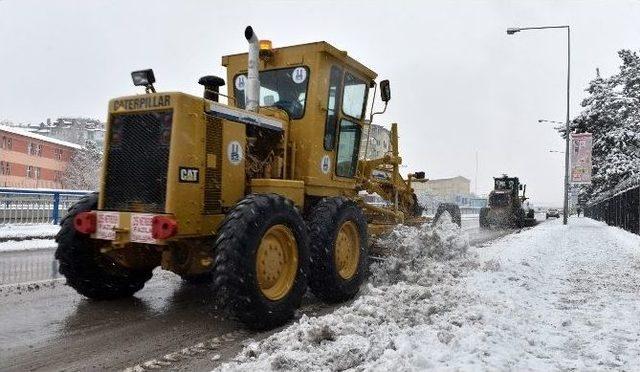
(551, 297)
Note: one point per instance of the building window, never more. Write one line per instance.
(6, 143)
(5, 168)
(57, 176)
(38, 173)
(34, 149)
(30, 172)
(57, 153)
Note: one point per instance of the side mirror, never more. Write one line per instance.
(385, 90)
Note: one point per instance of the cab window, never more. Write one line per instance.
(348, 146)
(354, 96)
(335, 80)
(284, 88)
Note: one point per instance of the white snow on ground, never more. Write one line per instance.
(28, 231)
(25, 245)
(551, 297)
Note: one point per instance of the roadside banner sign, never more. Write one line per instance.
(580, 157)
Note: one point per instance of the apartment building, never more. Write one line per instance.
(379, 141)
(29, 160)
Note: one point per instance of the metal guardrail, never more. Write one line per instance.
(621, 210)
(36, 205)
(28, 266)
(32, 206)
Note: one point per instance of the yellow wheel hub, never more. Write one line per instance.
(347, 254)
(277, 262)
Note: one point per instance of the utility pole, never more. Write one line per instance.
(476, 182)
(513, 30)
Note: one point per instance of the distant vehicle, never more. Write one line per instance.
(506, 206)
(553, 212)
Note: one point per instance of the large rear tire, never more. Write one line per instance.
(519, 218)
(454, 212)
(339, 249)
(261, 258)
(531, 214)
(484, 221)
(89, 272)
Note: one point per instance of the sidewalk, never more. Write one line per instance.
(559, 297)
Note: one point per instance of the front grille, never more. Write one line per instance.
(137, 162)
(213, 173)
(499, 200)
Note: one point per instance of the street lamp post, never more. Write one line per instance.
(513, 30)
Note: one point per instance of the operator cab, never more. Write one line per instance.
(505, 188)
(324, 93)
(506, 183)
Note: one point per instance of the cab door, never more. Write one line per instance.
(345, 112)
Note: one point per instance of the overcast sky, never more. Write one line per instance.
(460, 84)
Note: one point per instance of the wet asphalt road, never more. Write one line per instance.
(168, 324)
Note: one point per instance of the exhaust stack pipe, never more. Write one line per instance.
(252, 92)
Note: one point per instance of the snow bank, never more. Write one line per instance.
(415, 287)
(25, 245)
(18, 232)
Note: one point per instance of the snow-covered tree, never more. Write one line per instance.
(83, 171)
(612, 113)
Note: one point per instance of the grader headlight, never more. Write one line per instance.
(144, 78)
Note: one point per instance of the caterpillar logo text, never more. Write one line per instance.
(142, 103)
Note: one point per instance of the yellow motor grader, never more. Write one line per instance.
(261, 196)
(506, 206)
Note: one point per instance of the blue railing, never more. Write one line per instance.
(19, 206)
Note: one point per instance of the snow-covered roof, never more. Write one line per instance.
(28, 134)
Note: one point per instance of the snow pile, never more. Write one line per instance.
(21, 232)
(410, 251)
(26, 245)
(414, 288)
